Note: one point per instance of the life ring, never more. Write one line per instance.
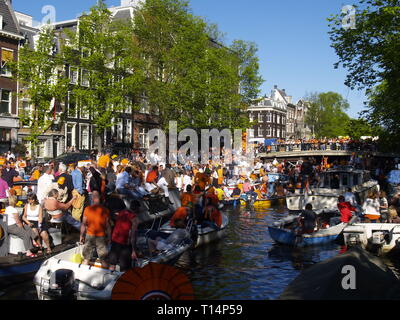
(153, 282)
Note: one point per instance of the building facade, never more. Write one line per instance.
(74, 128)
(302, 130)
(10, 39)
(270, 116)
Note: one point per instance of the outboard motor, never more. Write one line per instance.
(61, 285)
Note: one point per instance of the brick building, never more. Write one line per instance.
(10, 39)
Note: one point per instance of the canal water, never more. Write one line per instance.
(245, 265)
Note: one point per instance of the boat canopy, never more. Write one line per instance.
(337, 179)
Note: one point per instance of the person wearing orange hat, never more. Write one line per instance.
(104, 160)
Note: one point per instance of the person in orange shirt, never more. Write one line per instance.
(220, 172)
(212, 216)
(187, 197)
(104, 160)
(96, 230)
(180, 214)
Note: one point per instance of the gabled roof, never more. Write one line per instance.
(124, 14)
(10, 22)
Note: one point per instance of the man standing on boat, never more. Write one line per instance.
(96, 231)
(308, 220)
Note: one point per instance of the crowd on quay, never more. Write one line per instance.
(77, 195)
(345, 144)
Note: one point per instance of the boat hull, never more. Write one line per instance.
(380, 238)
(284, 236)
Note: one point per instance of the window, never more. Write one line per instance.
(5, 135)
(260, 132)
(119, 130)
(128, 131)
(128, 105)
(7, 56)
(260, 117)
(251, 117)
(278, 133)
(40, 149)
(268, 117)
(70, 135)
(143, 138)
(71, 105)
(5, 101)
(73, 75)
(84, 135)
(268, 132)
(84, 112)
(85, 78)
(144, 106)
(25, 113)
(1, 22)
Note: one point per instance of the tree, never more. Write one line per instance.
(192, 77)
(104, 51)
(326, 115)
(370, 54)
(42, 85)
(357, 128)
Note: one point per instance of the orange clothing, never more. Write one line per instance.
(180, 213)
(213, 197)
(187, 200)
(260, 196)
(220, 176)
(202, 180)
(96, 218)
(35, 175)
(152, 176)
(214, 215)
(104, 161)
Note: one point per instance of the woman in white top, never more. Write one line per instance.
(33, 217)
(15, 226)
(371, 207)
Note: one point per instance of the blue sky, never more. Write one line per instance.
(294, 47)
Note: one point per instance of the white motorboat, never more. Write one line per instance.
(204, 235)
(61, 278)
(333, 183)
(379, 238)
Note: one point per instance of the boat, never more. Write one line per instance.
(262, 203)
(378, 238)
(283, 232)
(204, 235)
(14, 265)
(153, 208)
(333, 183)
(61, 278)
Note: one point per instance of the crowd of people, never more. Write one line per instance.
(76, 195)
(345, 144)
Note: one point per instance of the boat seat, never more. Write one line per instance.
(15, 244)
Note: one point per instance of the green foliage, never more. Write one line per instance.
(192, 78)
(104, 50)
(36, 71)
(326, 116)
(357, 128)
(165, 58)
(370, 53)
